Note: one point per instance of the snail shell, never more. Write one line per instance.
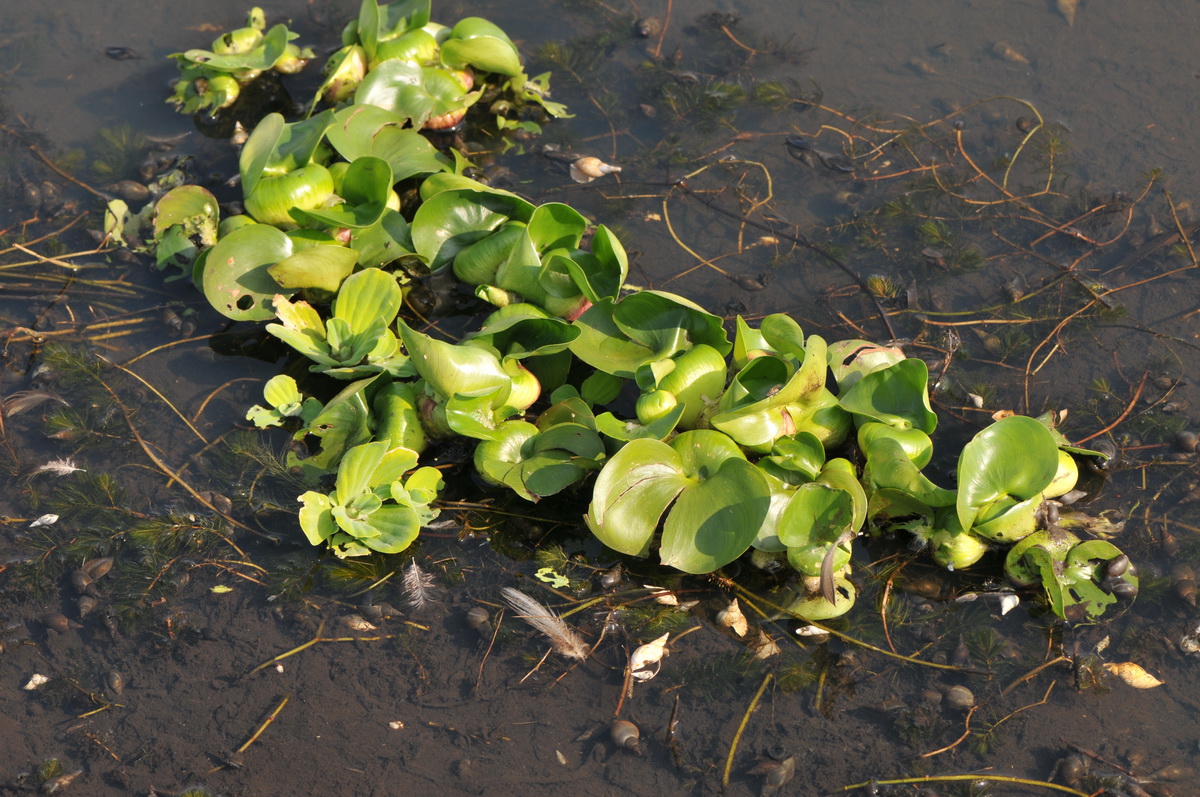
(116, 682)
(82, 583)
(98, 568)
(626, 736)
(586, 169)
(59, 622)
(86, 604)
(1072, 768)
(1184, 583)
(356, 622)
(1118, 567)
(611, 579)
(959, 697)
(479, 620)
(647, 27)
(1188, 441)
(779, 777)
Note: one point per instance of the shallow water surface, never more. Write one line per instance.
(221, 631)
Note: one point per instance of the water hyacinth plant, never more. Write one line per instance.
(733, 445)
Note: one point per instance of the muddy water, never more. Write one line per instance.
(423, 703)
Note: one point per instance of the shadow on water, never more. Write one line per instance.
(1022, 247)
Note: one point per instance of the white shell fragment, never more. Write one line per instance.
(1133, 674)
(1008, 602)
(35, 682)
(646, 660)
(733, 619)
(811, 630)
(44, 520)
(586, 169)
(662, 595)
(396, 725)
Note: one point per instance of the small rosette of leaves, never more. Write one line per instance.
(356, 340)
(211, 80)
(375, 506)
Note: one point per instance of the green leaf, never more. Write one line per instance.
(897, 395)
(316, 517)
(322, 266)
(355, 471)
(276, 147)
(889, 467)
(451, 369)
(552, 577)
(368, 299)
(814, 519)
(452, 220)
(383, 242)
(397, 526)
(342, 424)
(1014, 457)
(619, 337)
(632, 492)
(719, 499)
(486, 53)
(190, 207)
(236, 277)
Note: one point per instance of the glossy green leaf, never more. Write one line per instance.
(601, 273)
(851, 360)
(914, 443)
(766, 397)
(316, 518)
(322, 267)
(384, 242)
(619, 337)
(815, 517)
(276, 147)
(815, 608)
(719, 500)
(365, 191)
(451, 220)
(486, 53)
(413, 91)
(343, 423)
(453, 370)
(1015, 456)
(556, 226)
(377, 23)
(365, 130)
(777, 334)
(897, 395)
(236, 278)
(889, 467)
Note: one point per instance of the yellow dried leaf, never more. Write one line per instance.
(1133, 674)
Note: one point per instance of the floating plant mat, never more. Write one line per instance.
(412, 646)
